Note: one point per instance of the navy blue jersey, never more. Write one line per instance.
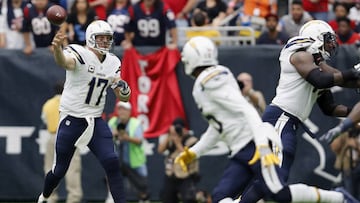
(80, 28)
(35, 21)
(150, 27)
(117, 19)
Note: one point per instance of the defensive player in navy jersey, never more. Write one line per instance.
(305, 79)
(90, 71)
(233, 120)
(149, 21)
(35, 22)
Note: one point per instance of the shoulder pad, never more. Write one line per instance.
(298, 42)
(75, 50)
(214, 78)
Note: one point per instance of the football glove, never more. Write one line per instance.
(185, 158)
(267, 157)
(330, 135)
(124, 89)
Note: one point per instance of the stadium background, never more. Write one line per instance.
(26, 82)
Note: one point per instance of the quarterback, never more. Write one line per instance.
(90, 71)
(236, 122)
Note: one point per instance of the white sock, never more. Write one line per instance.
(226, 200)
(304, 193)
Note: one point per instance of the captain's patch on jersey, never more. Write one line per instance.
(91, 69)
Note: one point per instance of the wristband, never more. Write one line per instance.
(346, 124)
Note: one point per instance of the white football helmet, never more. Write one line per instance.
(322, 34)
(99, 27)
(198, 52)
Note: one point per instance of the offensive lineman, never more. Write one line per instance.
(304, 79)
(236, 122)
(89, 71)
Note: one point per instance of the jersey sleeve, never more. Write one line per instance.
(169, 17)
(129, 26)
(206, 142)
(26, 27)
(74, 51)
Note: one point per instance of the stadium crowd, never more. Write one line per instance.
(23, 23)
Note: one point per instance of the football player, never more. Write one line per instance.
(236, 122)
(305, 79)
(90, 71)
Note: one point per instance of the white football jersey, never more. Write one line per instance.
(231, 117)
(85, 87)
(294, 94)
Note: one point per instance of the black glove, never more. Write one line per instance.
(318, 58)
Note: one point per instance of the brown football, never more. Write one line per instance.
(56, 15)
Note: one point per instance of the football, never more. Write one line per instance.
(56, 15)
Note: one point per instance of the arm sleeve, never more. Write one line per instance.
(206, 142)
(320, 79)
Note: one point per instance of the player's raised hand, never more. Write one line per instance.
(185, 158)
(58, 40)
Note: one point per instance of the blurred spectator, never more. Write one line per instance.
(215, 10)
(118, 17)
(291, 23)
(11, 22)
(203, 196)
(100, 7)
(340, 10)
(345, 35)
(271, 35)
(318, 9)
(283, 8)
(79, 18)
(51, 116)
(181, 8)
(354, 15)
(347, 150)
(260, 8)
(256, 98)
(200, 19)
(177, 182)
(36, 23)
(149, 21)
(128, 136)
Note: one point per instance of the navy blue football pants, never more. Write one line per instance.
(101, 145)
(238, 174)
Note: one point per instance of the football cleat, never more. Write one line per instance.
(41, 199)
(348, 198)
